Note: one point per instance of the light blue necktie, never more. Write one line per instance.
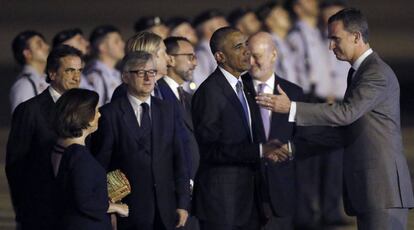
(264, 113)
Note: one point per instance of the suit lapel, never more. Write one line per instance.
(257, 124)
(168, 94)
(358, 73)
(277, 118)
(131, 122)
(231, 96)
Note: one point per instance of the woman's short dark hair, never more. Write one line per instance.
(75, 109)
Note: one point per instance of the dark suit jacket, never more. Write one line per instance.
(227, 178)
(28, 167)
(158, 177)
(82, 190)
(279, 177)
(189, 141)
(376, 174)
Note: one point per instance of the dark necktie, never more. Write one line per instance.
(182, 96)
(242, 99)
(349, 78)
(264, 113)
(146, 127)
(157, 92)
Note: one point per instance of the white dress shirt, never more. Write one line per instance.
(136, 106)
(54, 94)
(173, 85)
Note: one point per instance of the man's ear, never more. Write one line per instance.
(171, 61)
(220, 57)
(124, 78)
(357, 37)
(27, 54)
(52, 75)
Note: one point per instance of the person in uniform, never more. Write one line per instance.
(30, 51)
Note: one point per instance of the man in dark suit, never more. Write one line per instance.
(31, 139)
(139, 134)
(180, 70)
(377, 184)
(278, 187)
(226, 192)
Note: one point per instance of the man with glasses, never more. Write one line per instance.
(181, 66)
(139, 134)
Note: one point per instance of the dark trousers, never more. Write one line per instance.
(279, 223)
(383, 219)
(252, 224)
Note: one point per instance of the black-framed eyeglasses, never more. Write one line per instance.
(142, 73)
(191, 56)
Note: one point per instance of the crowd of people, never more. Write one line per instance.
(238, 121)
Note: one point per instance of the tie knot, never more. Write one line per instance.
(145, 107)
(262, 87)
(239, 86)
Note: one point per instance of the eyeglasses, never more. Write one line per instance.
(191, 56)
(142, 73)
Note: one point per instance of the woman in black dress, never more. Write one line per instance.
(82, 194)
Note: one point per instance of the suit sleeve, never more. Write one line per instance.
(18, 147)
(207, 109)
(103, 141)
(182, 179)
(91, 197)
(366, 95)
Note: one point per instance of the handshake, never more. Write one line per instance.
(276, 151)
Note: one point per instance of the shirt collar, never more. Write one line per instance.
(28, 69)
(55, 94)
(173, 85)
(136, 103)
(269, 83)
(361, 58)
(230, 78)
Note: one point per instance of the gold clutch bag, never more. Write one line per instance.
(118, 186)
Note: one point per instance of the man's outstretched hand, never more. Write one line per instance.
(276, 103)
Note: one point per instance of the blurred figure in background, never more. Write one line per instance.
(154, 24)
(181, 27)
(72, 37)
(30, 51)
(276, 21)
(75, 38)
(310, 49)
(31, 140)
(107, 49)
(245, 20)
(206, 24)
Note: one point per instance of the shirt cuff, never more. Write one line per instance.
(292, 112)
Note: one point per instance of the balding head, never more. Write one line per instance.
(263, 56)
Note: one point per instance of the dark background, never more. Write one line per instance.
(391, 25)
